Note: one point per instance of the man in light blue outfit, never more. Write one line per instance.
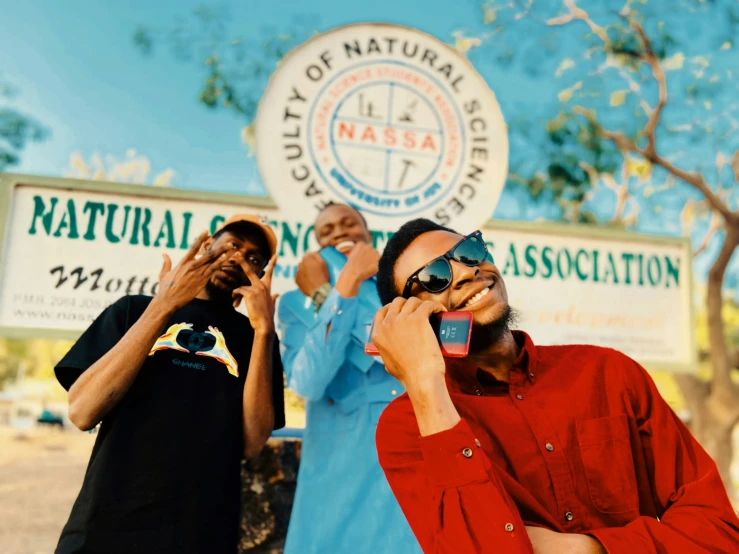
(343, 502)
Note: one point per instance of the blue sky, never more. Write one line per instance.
(78, 72)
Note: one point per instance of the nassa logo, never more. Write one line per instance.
(385, 118)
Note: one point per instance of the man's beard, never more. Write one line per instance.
(486, 334)
(218, 294)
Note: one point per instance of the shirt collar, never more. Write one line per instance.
(469, 379)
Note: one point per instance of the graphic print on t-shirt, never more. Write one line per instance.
(211, 343)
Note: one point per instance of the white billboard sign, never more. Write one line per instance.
(575, 285)
(70, 248)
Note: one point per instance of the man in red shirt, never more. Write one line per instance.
(521, 448)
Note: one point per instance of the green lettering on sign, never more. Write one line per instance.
(627, 258)
(289, 238)
(673, 270)
(580, 273)
(215, 223)
(654, 271)
(512, 261)
(141, 226)
(185, 242)
(69, 220)
(530, 259)
(38, 212)
(546, 260)
(563, 274)
(610, 270)
(93, 208)
(166, 230)
(109, 234)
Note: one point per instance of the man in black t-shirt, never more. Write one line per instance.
(185, 386)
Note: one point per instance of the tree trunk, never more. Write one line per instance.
(715, 406)
(721, 361)
(710, 426)
(716, 439)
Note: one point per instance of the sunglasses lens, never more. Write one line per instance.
(436, 277)
(471, 251)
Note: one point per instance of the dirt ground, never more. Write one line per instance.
(41, 473)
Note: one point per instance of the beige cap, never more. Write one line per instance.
(259, 221)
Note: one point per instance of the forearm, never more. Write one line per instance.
(694, 511)
(700, 520)
(462, 483)
(452, 497)
(432, 405)
(313, 363)
(259, 412)
(102, 385)
(348, 283)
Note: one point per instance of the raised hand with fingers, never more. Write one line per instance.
(178, 285)
(361, 264)
(258, 297)
(312, 273)
(406, 341)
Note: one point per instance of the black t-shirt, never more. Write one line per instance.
(164, 475)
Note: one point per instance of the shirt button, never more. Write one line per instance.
(519, 397)
(467, 452)
(477, 442)
(549, 447)
(478, 392)
(394, 392)
(531, 375)
(339, 312)
(569, 516)
(509, 527)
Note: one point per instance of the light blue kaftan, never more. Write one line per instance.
(343, 502)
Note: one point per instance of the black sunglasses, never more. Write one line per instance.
(436, 276)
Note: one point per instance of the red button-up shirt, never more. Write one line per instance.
(578, 441)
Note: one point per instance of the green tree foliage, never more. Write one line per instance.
(17, 129)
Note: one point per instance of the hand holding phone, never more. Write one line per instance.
(453, 331)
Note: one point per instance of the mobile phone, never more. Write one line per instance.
(452, 329)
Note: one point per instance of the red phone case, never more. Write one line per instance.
(458, 348)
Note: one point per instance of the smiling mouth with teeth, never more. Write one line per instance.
(475, 299)
(345, 246)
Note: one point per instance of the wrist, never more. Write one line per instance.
(432, 404)
(593, 545)
(265, 334)
(319, 295)
(348, 283)
(161, 307)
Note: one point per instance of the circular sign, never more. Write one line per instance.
(387, 119)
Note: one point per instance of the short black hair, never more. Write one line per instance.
(332, 203)
(397, 244)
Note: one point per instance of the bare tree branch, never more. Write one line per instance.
(713, 228)
(622, 192)
(651, 58)
(713, 404)
(735, 165)
(582, 15)
(694, 179)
